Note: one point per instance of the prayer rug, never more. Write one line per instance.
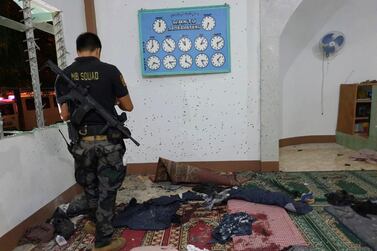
(273, 230)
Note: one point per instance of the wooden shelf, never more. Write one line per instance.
(364, 100)
(355, 107)
(364, 135)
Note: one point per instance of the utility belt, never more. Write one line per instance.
(95, 138)
(95, 133)
(87, 156)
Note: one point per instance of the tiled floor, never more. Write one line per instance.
(320, 157)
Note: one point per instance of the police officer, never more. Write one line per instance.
(99, 169)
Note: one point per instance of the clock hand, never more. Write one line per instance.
(171, 62)
(207, 25)
(202, 42)
(218, 59)
(168, 44)
(159, 24)
(218, 42)
(203, 61)
(184, 42)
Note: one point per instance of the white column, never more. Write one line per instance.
(33, 62)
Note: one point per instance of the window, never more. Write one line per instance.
(30, 106)
(6, 109)
(54, 100)
(45, 102)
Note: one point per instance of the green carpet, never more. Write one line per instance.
(319, 228)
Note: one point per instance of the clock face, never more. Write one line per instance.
(218, 60)
(168, 45)
(185, 61)
(159, 26)
(208, 23)
(169, 62)
(152, 46)
(201, 60)
(217, 43)
(184, 44)
(153, 63)
(201, 43)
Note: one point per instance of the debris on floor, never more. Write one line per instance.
(40, 233)
(235, 224)
(190, 225)
(142, 189)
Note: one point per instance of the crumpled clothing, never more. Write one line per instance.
(362, 207)
(364, 228)
(233, 224)
(155, 214)
(216, 198)
(62, 224)
(40, 233)
(260, 196)
(340, 198)
(78, 206)
(366, 207)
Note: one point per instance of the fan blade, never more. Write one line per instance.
(339, 40)
(327, 38)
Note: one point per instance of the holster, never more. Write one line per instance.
(73, 133)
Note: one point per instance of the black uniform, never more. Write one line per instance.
(104, 173)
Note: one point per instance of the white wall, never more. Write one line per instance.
(273, 17)
(73, 23)
(204, 117)
(35, 168)
(356, 62)
(308, 18)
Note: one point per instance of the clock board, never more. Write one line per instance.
(185, 41)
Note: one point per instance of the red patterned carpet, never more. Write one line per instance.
(196, 231)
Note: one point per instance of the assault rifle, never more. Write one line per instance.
(79, 95)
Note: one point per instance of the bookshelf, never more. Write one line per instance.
(357, 118)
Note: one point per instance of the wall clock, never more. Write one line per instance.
(185, 40)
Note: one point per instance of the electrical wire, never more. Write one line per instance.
(323, 84)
